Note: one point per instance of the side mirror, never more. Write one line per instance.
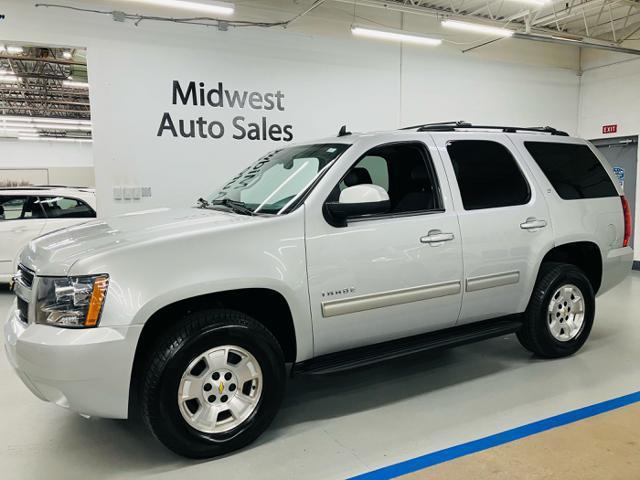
(358, 200)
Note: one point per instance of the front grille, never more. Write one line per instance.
(23, 310)
(26, 276)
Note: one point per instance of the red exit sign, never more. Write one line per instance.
(610, 128)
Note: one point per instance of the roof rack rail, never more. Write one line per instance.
(452, 126)
(44, 187)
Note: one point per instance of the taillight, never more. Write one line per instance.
(626, 211)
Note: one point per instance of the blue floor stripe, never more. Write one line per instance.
(507, 436)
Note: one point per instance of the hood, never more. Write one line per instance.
(54, 253)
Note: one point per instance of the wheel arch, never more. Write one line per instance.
(585, 255)
(267, 306)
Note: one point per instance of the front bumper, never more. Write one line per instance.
(85, 370)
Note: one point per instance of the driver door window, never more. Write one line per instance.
(406, 173)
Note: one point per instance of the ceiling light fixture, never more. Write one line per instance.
(67, 55)
(395, 35)
(73, 84)
(14, 49)
(477, 28)
(21, 129)
(29, 120)
(9, 78)
(47, 126)
(537, 3)
(219, 8)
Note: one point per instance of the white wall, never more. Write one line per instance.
(610, 94)
(328, 79)
(34, 154)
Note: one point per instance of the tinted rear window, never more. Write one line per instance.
(573, 170)
(487, 174)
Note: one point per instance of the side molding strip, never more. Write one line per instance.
(491, 281)
(387, 299)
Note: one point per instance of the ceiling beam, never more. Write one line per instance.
(41, 59)
(567, 13)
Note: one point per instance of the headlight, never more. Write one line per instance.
(71, 301)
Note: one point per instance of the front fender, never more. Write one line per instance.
(269, 254)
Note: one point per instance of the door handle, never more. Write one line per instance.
(436, 237)
(532, 223)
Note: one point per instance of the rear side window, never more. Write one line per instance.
(573, 170)
(64, 207)
(487, 174)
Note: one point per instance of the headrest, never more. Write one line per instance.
(357, 176)
(419, 174)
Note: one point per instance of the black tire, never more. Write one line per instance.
(194, 335)
(535, 335)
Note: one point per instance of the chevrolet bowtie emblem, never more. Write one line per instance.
(221, 387)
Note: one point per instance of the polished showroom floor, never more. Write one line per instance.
(350, 423)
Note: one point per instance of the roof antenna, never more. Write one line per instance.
(343, 131)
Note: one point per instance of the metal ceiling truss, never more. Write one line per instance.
(600, 23)
(38, 90)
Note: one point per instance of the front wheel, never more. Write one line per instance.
(213, 383)
(560, 314)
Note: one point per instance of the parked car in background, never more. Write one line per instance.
(27, 212)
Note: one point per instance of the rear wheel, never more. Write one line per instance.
(560, 314)
(213, 383)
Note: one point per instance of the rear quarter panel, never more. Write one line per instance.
(597, 220)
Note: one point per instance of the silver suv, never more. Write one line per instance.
(325, 255)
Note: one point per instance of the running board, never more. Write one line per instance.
(443, 339)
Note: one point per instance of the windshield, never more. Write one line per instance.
(272, 183)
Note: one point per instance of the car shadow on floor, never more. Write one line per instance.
(95, 442)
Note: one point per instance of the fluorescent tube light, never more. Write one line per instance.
(395, 35)
(5, 49)
(477, 28)
(537, 3)
(46, 126)
(72, 84)
(66, 121)
(56, 139)
(205, 6)
(9, 78)
(21, 129)
(67, 55)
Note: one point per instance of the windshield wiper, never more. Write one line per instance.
(235, 205)
(202, 203)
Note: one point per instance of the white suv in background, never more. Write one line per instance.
(326, 255)
(26, 212)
